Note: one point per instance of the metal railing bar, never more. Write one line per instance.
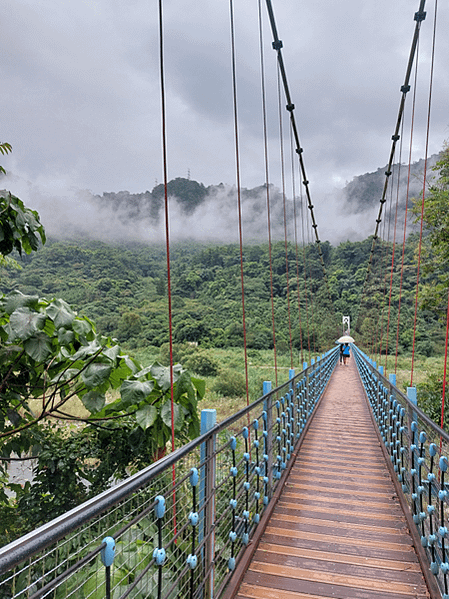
(137, 579)
(423, 416)
(114, 506)
(56, 581)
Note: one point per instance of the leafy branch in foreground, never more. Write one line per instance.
(5, 148)
(50, 355)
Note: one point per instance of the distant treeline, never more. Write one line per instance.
(124, 291)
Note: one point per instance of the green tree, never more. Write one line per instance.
(48, 356)
(435, 255)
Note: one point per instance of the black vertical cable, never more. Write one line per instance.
(277, 45)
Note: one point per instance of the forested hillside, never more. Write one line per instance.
(123, 290)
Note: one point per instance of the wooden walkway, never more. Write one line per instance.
(338, 530)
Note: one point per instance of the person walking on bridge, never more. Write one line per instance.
(346, 353)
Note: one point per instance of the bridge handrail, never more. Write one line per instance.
(416, 448)
(182, 523)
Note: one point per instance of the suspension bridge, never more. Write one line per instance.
(331, 484)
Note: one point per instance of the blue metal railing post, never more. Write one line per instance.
(199, 558)
(207, 503)
(268, 441)
(107, 558)
(306, 388)
(413, 397)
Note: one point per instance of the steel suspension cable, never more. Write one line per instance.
(419, 16)
(398, 170)
(429, 107)
(382, 288)
(239, 200)
(277, 45)
(265, 139)
(284, 200)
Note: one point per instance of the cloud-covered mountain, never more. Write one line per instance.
(211, 214)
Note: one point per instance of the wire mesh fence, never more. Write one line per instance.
(179, 527)
(417, 449)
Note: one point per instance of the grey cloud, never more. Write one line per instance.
(81, 102)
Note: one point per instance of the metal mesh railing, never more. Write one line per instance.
(417, 448)
(179, 527)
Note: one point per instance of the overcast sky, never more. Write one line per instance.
(80, 95)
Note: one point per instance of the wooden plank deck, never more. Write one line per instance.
(338, 530)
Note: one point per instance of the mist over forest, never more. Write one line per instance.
(210, 214)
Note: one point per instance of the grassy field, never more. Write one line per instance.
(422, 367)
(260, 369)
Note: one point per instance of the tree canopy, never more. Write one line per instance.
(435, 214)
(49, 356)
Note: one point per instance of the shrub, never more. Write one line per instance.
(430, 394)
(230, 383)
(202, 364)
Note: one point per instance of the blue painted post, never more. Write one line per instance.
(291, 375)
(413, 397)
(266, 390)
(268, 443)
(107, 557)
(306, 387)
(381, 370)
(392, 379)
(207, 508)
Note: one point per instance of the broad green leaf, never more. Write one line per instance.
(24, 323)
(96, 374)
(118, 375)
(38, 347)
(6, 353)
(132, 364)
(19, 300)
(65, 336)
(133, 392)
(61, 314)
(178, 415)
(65, 375)
(200, 386)
(49, 327)
(112, 352)
(87, 350)
(82, 326)
(93, 401)
(161, 374)
(146, 416)
(183, 386)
